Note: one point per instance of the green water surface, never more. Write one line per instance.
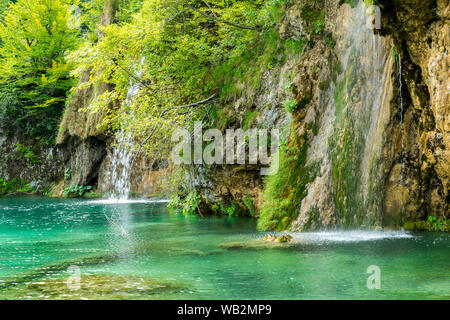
(138, 250)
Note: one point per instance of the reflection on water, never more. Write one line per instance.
(120, 236)
(138, 250)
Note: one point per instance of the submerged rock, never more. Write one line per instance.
(270, 237)
(283, 238)
(270, 241)
(102, 287)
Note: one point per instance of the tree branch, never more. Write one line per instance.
(257, 28)
(196, 103)
(177, 15)
(224, 21)
(132, 75)
(162, 114)
(210, 8)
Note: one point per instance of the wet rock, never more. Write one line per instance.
(282, 239)
(259, 244)
(98, 287)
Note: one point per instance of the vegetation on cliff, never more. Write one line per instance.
(163, 64)
(180, 53)
(34, 76)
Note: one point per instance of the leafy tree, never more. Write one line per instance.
(173, 50)
(34, 77)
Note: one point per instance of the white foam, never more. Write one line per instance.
(125, 201)
(349, 236)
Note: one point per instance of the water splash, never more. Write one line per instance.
(125, 201)
(348, 236)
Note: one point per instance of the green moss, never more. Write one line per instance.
(249, 118)
(248, 201)
(76, 191)
(346, 146)
(93, 195)
(285, 190)
(345, 149)
(432, 224)
(231, 209)
(345, 86)
(290, 105)
(313, 219)
(188, 204)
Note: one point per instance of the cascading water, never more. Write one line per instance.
(120, 167)
(118, 173)
(348, 149)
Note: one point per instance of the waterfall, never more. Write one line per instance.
(118, 173)
(348, 151)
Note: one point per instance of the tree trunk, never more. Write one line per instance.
(108, 15)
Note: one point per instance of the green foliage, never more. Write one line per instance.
(34, 76)
(248, 201)
(27, 154)
(13, 186)
(290, 105)
(431, 224)
(67, 174)
(188, 204)
(188, 57)
(314, 17)
(76, 191)
(435, 224)
(3, 7)
(231, 210)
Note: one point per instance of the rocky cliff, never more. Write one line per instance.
(363, 101)
(369, 134)
(87, 147)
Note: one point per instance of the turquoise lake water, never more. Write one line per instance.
(138, 250)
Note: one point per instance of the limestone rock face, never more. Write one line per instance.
(379, 100)
(47, 168)
(422, 30)
(81, 140)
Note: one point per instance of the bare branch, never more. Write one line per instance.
(177, 15)
(210, 8)
(163, 112)
(196, 103)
